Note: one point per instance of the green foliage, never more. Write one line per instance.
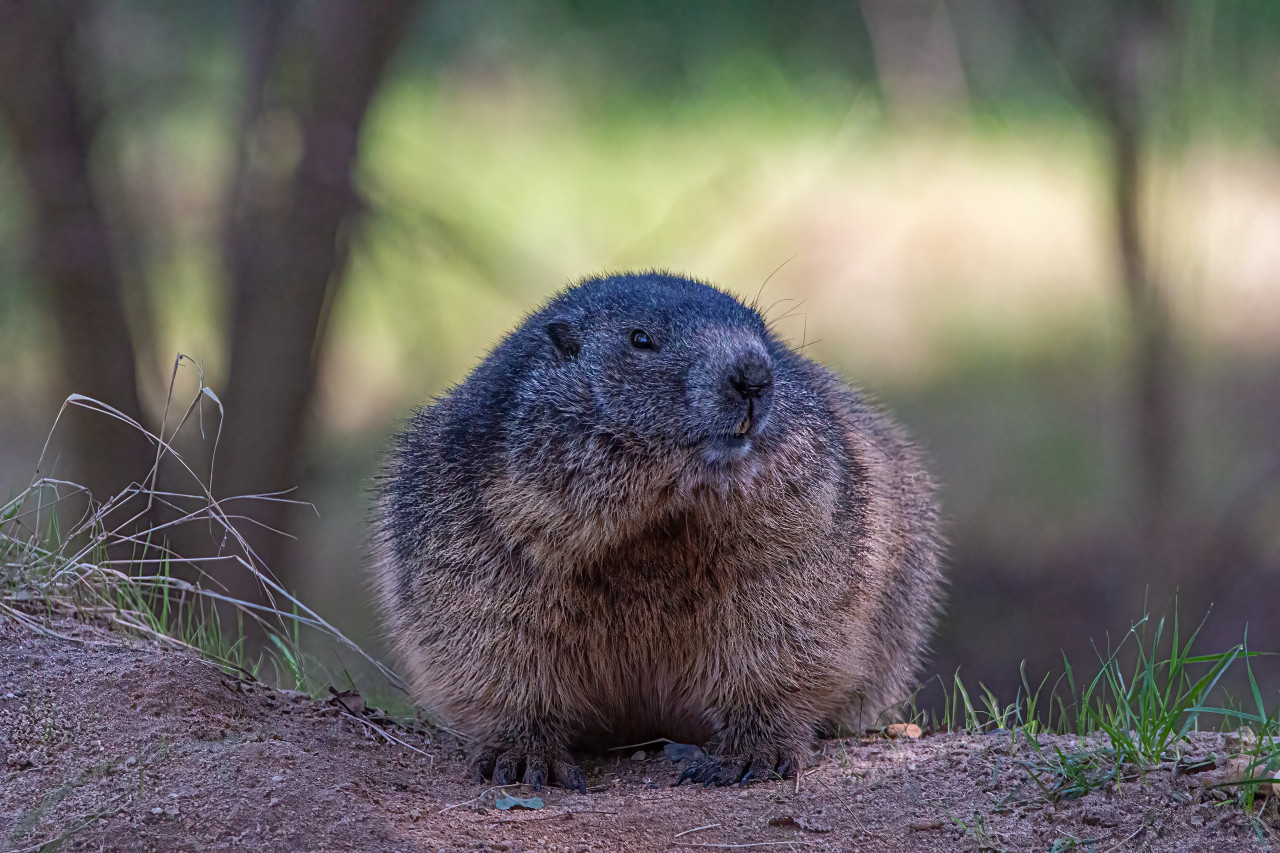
(49, 570)
(38, 582)
(1149, 708)
(1261, 751)
(1148, 695)
(980, 833)
(1072, 774)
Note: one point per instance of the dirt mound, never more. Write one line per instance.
(110, 744)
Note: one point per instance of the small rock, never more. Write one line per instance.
(1240, 740)
(682, 752)
(348, 700)
(798, 823)
(157, 810)
(639, 755)
(275, 801)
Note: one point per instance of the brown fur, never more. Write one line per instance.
(556, 587)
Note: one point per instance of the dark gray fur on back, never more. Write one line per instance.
(696, 533)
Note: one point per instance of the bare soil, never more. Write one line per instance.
(111, 744)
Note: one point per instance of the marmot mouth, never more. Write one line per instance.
(748, 423)
(725, 451)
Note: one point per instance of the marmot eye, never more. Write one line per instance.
(640, 339)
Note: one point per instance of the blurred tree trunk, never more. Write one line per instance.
(287, 241)
(1121, 105)
(1109, 66)
(311, 72)
(917, 59)
(45, 112)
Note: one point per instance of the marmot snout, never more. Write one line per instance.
(644, 515)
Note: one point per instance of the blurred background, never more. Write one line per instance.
(1046, 234)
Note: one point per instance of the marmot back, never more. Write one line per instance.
(643, 515)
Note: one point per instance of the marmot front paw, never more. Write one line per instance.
(532, 762)
(764, 765)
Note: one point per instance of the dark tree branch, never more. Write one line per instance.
(52, 137)
(1107, 73)
(1122, 105)
(288, 250)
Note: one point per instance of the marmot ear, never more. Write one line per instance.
(564, 337)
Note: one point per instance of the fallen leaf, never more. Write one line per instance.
(1188, 766)
(506, 801)
(351, 700)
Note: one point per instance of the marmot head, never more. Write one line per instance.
(636, 400)
(673, 363)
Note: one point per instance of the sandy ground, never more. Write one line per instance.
(111, 744)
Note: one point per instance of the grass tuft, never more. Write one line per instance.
(1150, 692)
(1149, 709)
(112, 567)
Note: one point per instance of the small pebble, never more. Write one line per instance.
(639, 755)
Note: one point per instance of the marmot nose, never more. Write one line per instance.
(751, 376)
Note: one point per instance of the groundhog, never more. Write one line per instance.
(644, 515)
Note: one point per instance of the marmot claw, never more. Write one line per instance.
(735, 770)
(532, 764)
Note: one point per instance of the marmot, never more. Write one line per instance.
(644, 515)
